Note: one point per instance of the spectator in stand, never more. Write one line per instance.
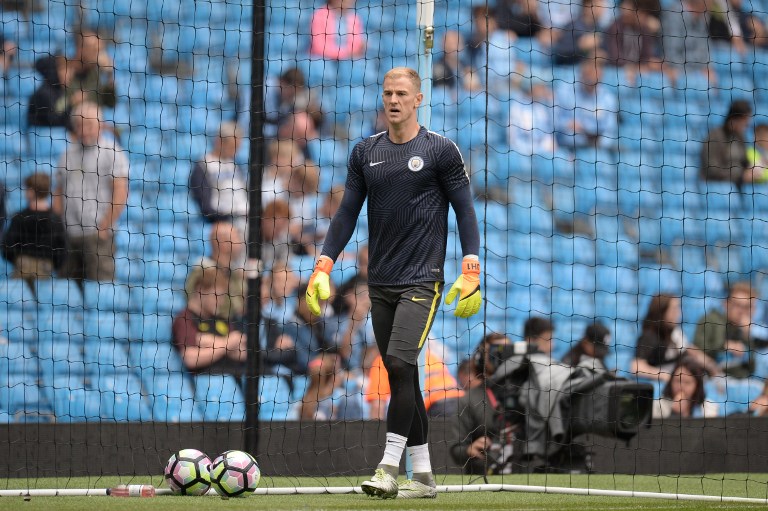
(538, 332)
(492, 48)
(532, 119)
(307, 337)
(328, 208)
(685, 39)
(556, 14)
(523, 18)
(355, 331)
(727, 22)
(586, 113)
(724, 152)
(293, 104)
(662, 342)
(36, 243)
(450, 70)
(52, 102)
(93, 70)
(337, 32)
(91, 194)
(591, 350)
(581, 38)
(630, 42)
(303, 199)
(757, 156)
(476, 425)
(684, 395)
(282, 156)
(753, 28)
(227, 252)
(278, 299)
(361, 277)
(275, 233)
(217, 185)
(8, 52)
(206, 341)
(317, 403)
(326, 397)
(724, 335)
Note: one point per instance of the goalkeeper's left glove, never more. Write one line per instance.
(467, 287)
(319, 287)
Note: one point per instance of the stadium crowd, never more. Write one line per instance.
(565, 123)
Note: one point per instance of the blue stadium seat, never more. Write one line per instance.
(274, 398)
(103, 356)
(21, 398)
(732, 395)
(15, 293)
(575, 249)
(46, 144)
(172, 398)
(59, 357)
(106, 296)
(17, 324)
(121, 397)
(159, 299)
(152, 355)
(220, 397)
(654, 280)
(150, 328)
(615, 279)
(60, 323)
(58, 293)
(73, 402)
(17, 359)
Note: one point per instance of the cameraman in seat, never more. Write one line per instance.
(477, 428)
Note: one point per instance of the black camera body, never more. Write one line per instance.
(597, 402)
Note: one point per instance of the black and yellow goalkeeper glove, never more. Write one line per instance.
(319, 287)
(467, 287)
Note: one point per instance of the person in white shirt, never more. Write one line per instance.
(91, 193)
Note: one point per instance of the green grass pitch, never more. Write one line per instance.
(738, 485)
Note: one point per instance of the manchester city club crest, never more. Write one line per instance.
(416, 163)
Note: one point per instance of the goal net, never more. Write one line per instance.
(170, 170)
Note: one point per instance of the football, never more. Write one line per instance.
(187, 472)
(235, 474)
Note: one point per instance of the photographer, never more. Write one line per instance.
(476, 426)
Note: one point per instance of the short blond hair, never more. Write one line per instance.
(405, 72)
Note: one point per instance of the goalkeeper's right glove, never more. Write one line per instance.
(319, 287)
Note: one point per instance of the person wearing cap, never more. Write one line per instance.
(591, 350)
(724, 152)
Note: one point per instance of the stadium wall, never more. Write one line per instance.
(351, 448)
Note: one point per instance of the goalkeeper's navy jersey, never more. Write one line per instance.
(406, 187)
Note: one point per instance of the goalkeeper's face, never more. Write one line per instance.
(401, 99)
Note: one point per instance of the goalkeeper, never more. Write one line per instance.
(409, 175)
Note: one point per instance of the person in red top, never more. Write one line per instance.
(208, 343)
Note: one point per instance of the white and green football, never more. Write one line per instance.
(187, 472)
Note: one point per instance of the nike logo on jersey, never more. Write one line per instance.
(417, 299)
(374, 164)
